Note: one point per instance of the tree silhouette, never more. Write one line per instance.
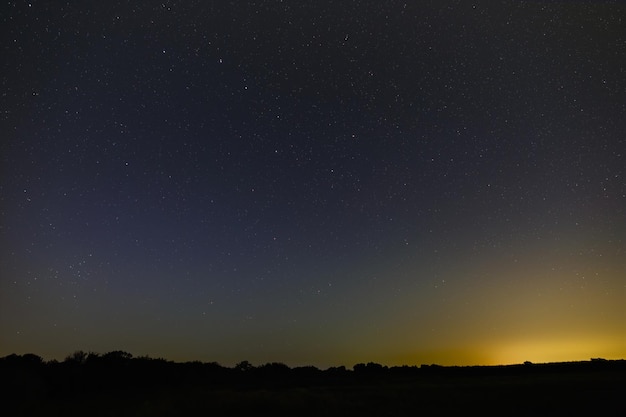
(79, 357)
(244, 366)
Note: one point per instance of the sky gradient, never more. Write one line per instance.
(314, 183)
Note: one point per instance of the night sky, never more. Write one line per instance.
(314, 183)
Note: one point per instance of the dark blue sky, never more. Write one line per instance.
(312, 182)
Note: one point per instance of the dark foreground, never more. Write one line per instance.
(116, 384)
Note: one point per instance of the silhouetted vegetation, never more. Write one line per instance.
(116, 383)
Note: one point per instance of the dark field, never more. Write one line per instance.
(116, 384)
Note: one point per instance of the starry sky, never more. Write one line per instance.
(314, 183)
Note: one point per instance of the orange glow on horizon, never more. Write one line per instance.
(559, 350)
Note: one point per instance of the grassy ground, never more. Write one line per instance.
(598, 393)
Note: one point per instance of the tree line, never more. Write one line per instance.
(118, 371)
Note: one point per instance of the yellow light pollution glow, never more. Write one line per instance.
(539, 305)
